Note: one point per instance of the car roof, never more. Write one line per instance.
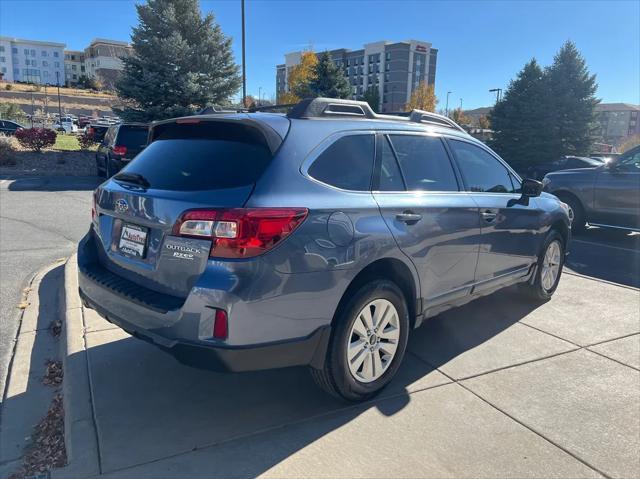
(333, 124)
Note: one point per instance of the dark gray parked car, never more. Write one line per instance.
(607, 195)
(256, 240)
(120, 144)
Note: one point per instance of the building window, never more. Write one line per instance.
(386, 76)
(386, 67)
(16, 71)
(33, 53)
(388, 56)
(3, 59)
(82, 68)
(14, 50)
(75, 77)
(45, 63)
(4, 69)
(370, 68)
(26, 51)
(55, 54)
(15, 61)
(44, 53)
(45, 73)
(73, 67)
(1, 48)
(57, 64)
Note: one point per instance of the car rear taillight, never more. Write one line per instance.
(120, 150)
(91, 131)
(240, 232)
(220, 325)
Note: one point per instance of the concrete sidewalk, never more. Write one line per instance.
(498, 388)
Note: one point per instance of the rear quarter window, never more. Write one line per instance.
(347, 163)
(203, 156)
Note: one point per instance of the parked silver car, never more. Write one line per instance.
(607, 195)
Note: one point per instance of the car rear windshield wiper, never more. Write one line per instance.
(133, 178)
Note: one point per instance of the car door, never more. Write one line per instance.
(433, 222)
(617, 192)
(510, 231)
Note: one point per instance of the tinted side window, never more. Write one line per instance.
(480, 170)
(346, 164)
(390, 175)
(424, 163)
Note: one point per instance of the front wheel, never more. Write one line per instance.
(367, 344)
(548, 269)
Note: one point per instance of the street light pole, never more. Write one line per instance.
(59, 107)
(460, 104)
(244, 67)
(259, 96)
(498, 92)
(446, 108)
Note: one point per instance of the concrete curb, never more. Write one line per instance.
(81, 439)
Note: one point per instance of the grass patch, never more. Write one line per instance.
(70, 143)
(66, 143)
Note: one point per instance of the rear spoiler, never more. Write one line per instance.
(273, 139)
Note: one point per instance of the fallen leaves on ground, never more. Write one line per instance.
(47, 451)
(53, 374)
(23, 305)
(55, 327)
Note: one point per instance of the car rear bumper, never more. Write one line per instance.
(176, 324)
(299, 352)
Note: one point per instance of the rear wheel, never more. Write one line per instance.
(548, 270)
(367, 344)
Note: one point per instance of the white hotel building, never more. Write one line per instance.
(32, 61)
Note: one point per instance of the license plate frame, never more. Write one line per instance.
(134, 245)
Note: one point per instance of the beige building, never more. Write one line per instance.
(74, 67)
(617, 121)
(103, 59)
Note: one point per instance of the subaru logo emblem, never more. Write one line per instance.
(121, 205)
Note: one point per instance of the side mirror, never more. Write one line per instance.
(531, 188)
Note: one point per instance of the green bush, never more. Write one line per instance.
(8, 86)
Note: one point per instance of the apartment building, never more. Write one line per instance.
(74, 67)
(103, 59)
(31, 61)
(617, 121)
(395, 68)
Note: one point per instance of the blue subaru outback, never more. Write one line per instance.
(321, 237)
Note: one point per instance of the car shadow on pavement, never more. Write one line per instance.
(608, 254)
(26, 397)
(52, 183)
(148, 406)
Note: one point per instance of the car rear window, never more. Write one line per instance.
(132, 136)
(202, 156)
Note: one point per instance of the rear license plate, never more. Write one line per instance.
(133, 240)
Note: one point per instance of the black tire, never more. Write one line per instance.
(534, 288)
(335, 377)
(102, 173)
(579, 222)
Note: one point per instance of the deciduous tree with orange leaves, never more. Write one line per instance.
(423, 98)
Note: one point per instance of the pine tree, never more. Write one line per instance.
(182, 62)
(329, 81)
(571, 103)
(372, 97)
(518, 120)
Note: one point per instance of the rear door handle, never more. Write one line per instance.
(489, 215)
(408, 217)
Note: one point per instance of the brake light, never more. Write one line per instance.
(93, 206)
(240, 232)
(120, 150)
(91, 132)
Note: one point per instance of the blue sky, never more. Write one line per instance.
(482, 44)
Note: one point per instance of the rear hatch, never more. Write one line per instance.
(189, 164)
(131, 140)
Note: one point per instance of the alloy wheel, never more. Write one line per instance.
(551, 265)
(373, 341)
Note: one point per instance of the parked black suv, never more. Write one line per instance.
(120, 145)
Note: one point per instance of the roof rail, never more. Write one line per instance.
(282, 106)
(319, 107)
(212, 110)
(420, 116)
